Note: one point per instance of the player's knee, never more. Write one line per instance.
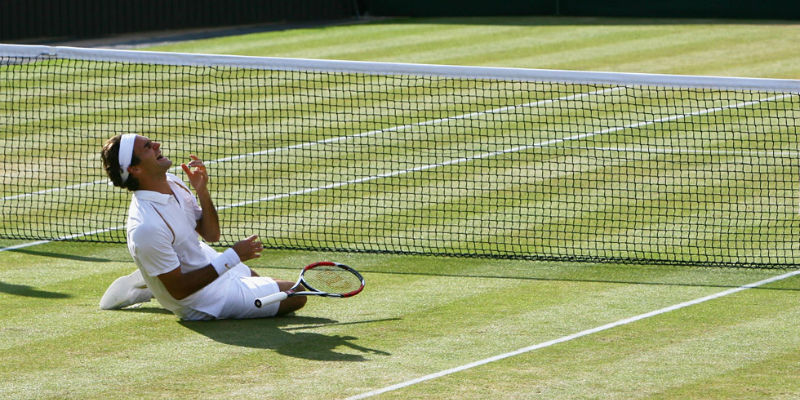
(292, 304)
(298, 302)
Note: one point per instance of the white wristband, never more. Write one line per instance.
(225, 261)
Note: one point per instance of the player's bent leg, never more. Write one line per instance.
(126, 291)
(240, 301)
(291, 304)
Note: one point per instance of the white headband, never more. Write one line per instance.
(125, 154)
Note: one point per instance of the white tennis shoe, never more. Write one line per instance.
(126, 291)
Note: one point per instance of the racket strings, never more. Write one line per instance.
(331, 279)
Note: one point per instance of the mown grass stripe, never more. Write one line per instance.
(478, 156)
(570, 337)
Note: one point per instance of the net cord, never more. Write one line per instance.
(382, 68)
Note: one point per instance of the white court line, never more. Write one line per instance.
(52, 190)
(501, 152)
(677, 150)
(573, 336)
(652, 150)
(341, 138)
(449, 162)
(68, 237)
(298, 146)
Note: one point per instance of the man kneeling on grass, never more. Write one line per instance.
(183, 273)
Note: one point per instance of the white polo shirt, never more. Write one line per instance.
(162, 237)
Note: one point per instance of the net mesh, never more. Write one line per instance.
(420, 164)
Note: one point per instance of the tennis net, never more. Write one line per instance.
(415, 159)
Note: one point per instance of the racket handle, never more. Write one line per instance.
(273, 298)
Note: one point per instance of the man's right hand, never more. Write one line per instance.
(249, 248)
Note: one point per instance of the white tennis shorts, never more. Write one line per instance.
(241, 296)
(240, 299)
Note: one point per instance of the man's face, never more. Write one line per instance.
(149, 153)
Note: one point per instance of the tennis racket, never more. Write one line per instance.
(324, 278)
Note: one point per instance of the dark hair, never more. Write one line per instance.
(110, 155)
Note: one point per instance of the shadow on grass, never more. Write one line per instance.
(64, 256)
(29, 291)
(284, 335)
(147, 308)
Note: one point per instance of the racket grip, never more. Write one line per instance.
(273, 298)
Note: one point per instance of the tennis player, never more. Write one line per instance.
(184, 274)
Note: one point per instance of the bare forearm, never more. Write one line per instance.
(181, 285)
(208, 224)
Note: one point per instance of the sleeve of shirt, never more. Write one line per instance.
(153, 250)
